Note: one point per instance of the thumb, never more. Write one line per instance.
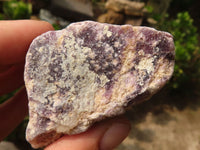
(105, 135)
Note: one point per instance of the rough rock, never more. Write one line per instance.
(5, 145)
(126, 6)
(111, 17)
(134, 21)
(134, 10)
(90, 71)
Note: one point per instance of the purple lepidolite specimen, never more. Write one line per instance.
(90, 71)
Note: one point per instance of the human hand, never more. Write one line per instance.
(15, 39)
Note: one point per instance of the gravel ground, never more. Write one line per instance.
(166, 127)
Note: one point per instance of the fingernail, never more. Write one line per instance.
(114, 135)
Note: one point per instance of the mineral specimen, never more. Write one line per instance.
(90, 71)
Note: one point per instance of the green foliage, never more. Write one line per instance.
(56, 26)
(17, 9)
(96, 1)
(185, 36)
(1, 16)
(149, 9)
(5, 97)
(186, 71)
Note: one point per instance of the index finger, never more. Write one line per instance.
(16, 36)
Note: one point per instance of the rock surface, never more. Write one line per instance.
(123, 12)
(134, 21)
(129, 7)
(111, 17)
(90, 71)
(5, 145)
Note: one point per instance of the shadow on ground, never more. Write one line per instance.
(166, 121)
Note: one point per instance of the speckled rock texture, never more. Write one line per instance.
(90, 71)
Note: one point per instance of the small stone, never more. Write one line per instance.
(126, 6)
(5, 145)
(111, 17)
(135, 9)
(152, 21)
(134, 21)
(115, 5)
(90, 71)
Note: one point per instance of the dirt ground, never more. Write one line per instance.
(167, 126)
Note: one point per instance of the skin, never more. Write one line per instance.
(15, 39)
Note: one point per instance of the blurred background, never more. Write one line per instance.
(170, 119)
